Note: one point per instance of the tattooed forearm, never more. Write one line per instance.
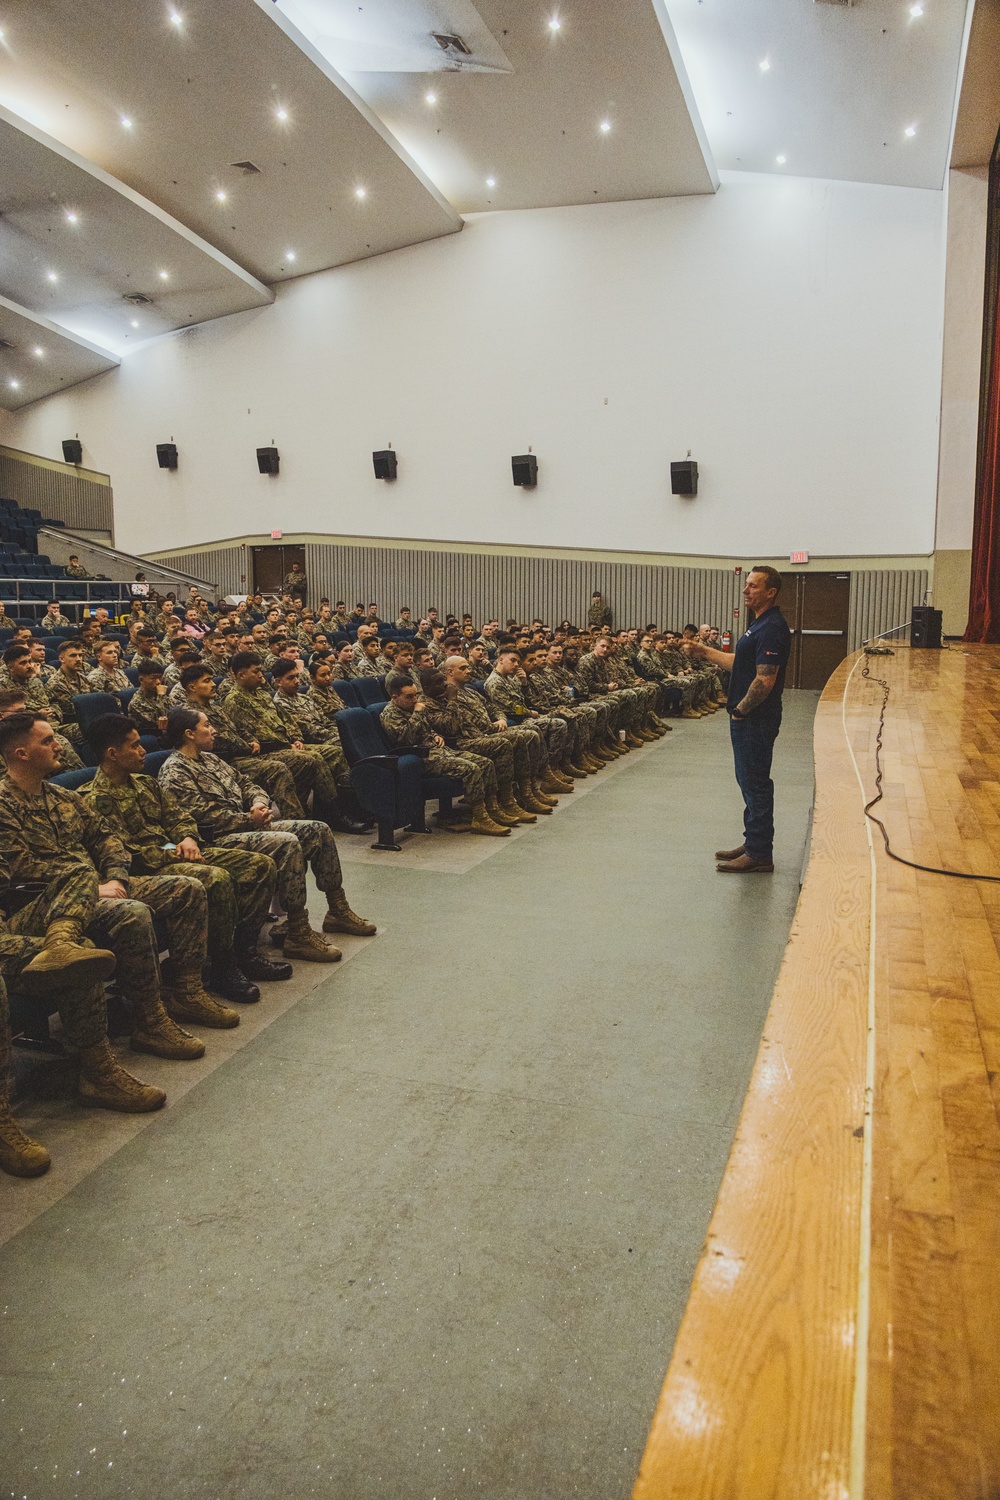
(757, 691)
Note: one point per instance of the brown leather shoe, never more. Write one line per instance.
(730, 853)
(744, 865)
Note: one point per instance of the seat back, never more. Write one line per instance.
(361, 734)
(74, 780)
(91, 706)
(348, 691)
(371, 690)
(154, 760)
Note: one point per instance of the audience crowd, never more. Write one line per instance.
(239, 706)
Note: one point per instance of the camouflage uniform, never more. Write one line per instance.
(462, 727)
(563, 677)
(108, 682)
(546, 693)
(342, 673)
(303, 721)
(144, 711)
(506, 695)
(254, 716)
(54, 622)
(62, 689)
(480, 670)
(367, 668)
(58, 833)
(652, 666)
(475, 772)
(218, 797)
(146, 816)
(594, 673)
(326, 704)
(599, 614)
(271, 771)
(76, 570)
(628, 678)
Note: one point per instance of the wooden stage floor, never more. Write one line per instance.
(842, 1338)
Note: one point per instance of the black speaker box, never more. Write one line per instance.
(166, 455)
(684, 477)
(925, 628)
(384, 462)
(525, 470)
(267, 460)
(72, 451)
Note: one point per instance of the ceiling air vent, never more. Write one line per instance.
(835, 2)
(6, 344)
(452, 45)
(248, 168)
(137, 299)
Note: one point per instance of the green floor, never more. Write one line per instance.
(430, 1234)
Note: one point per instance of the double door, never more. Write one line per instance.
(270, 564)
(817, 607)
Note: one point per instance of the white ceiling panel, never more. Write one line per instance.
(528, 134)
(171, 107)
(861, 92)
(81, 249)
(38, 358)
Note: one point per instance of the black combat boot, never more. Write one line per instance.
(250, 961)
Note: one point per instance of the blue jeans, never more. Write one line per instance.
(753, 744)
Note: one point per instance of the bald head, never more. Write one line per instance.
(452, 663)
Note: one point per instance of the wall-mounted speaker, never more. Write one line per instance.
(267, 460)
(684, 477)
(525, 470)
(166, 455)
(384, 462)
(925, 628)
(72, 451)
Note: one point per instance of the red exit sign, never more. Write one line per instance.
(799, 557)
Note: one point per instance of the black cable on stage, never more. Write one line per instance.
(912, 864)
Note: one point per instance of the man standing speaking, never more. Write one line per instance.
(756, 679)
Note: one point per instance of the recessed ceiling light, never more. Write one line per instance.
(555, 24)
(605, 126)
(38, 352)
(781, 160)
(360, 192)
(491, 182)
(289, 255)
(281, 114)
(15, 385)
(176, 19)
(765, 66)
(51, 276)
(910, 130)
(431, 98)
(220, 195)
(71, 217)
(164, 275)
(916, 10)
(135, 322)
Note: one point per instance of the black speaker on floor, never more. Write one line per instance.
(525, 470)
(166, 455)
(384, 462)
(72, 451)
(684, 477)
(267, 460)
(925, 628)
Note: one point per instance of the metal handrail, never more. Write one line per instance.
(114, 555)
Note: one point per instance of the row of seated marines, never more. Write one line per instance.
(108, 878)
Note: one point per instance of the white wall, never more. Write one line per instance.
(787, 331)
(963, 346)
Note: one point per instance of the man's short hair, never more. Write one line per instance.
(395, 682)
(10, 696)
(194, 673)
(14, 731)
(243, 660)
(772, 577)
(283, 667)
(508, 649)
(109, 732)
(179, 721)
(15, 653)
(151, 669)
(73, 640)
(145, 634)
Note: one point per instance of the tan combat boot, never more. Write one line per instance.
(160, 1036)
(634, 740)
(19, 1154)
(515, 809)
(483, 823)
(541, 795)
(303, 943)
(690, 713)
(65, 952)
(184, 999)
(104, 1084)
(498, 812)
(555, 784)
(340, 918)
(572, 772)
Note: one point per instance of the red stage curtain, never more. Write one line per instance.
(984, 593)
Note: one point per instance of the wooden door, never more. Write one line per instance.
(270, 564)
(820, 616)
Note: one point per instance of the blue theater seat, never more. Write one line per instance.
(391, 787)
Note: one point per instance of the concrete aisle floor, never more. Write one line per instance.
(431, 1233)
